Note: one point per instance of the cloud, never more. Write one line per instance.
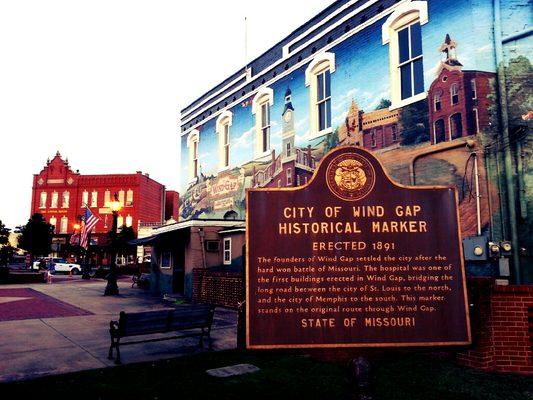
(245, 139)
(301, 139)
(205, 155)
(339, 118)
(382, 95)
(298, 124)
(342, 102)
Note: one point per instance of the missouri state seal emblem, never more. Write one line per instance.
(350, 176)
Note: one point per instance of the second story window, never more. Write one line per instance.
(66, 199)
(473, 88)
(318, 79)
(42, 200)
(410, 61)
(403, 33)
(55, 198)
(121, 195)
(107, 198)
(223, 125)
(94, 198)
(192, 143)
(261, 104)
(84, 198)
(454, 93)
(129, 197)
(437, 100)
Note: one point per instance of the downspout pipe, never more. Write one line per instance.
(505, 142)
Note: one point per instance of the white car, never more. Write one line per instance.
(60, 265)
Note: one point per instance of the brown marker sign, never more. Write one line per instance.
(354, 259)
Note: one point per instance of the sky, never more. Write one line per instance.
(102, 82)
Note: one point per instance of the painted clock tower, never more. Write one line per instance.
(287, 132)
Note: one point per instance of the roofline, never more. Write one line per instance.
(197, 223)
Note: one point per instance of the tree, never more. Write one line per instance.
(383, 103)
(5, 248)
(36, 236)
(519, 78)
(414, 123)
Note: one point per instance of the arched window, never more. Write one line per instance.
(129, 197)
(66, 199)
(42, 201)
(64, 225)
(55, 197)
(402, 31)
(84, 198)
(456, 126)
(231, 215)
(192, 143)
(53, 222)
(94, 198)
(223, 124)
(439, 131)
(318, 79)
(437, 100)
(454, 93)
(263, 100)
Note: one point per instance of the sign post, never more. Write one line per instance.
(353, 259)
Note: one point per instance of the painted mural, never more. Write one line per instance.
(422, 143)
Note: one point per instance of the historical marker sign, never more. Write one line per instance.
(353, 259)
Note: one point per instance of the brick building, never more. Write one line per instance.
(459, 102)
(60, 195)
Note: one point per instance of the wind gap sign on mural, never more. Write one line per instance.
(353, 259)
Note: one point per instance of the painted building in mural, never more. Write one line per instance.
(421, 83)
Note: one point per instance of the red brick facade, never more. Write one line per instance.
(60, 195)
(502, 318)
(459, 104)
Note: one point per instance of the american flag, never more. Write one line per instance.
(89, 221)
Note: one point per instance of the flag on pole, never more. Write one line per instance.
(89, 222)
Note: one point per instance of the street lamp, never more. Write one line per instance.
(111, 288)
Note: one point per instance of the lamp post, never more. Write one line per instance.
(111, 288)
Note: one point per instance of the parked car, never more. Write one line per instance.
(59, 265)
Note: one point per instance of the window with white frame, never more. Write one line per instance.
(454, 93)
(65, 199)
(42, 200)
(437, 105)
(288, 149)
(318, 79)
(227, 251)
(402, 32)
(129, 197)
(192, 143)
(473, 88)
(94, 198)
(120, 221)
(129, 220)
(166, 259)
(63, 228)
(107, 198)
(223, 125)
(289, 176)
(84, 198)
(121, 197)
(476, 121)
(261, 104)
(55, 197)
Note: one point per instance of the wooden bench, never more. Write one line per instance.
(182, 318)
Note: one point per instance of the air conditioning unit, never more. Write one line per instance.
(212, 246)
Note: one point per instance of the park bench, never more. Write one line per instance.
(182, 318)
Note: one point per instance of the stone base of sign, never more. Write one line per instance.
(502, 326)
(220, 288)
(232, 370)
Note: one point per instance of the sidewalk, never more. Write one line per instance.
(45, 346)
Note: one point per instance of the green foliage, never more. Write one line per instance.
(36, 236)
(383, 103)
(5, 248)
(519, 82)
(414, 123)
(332, 140)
